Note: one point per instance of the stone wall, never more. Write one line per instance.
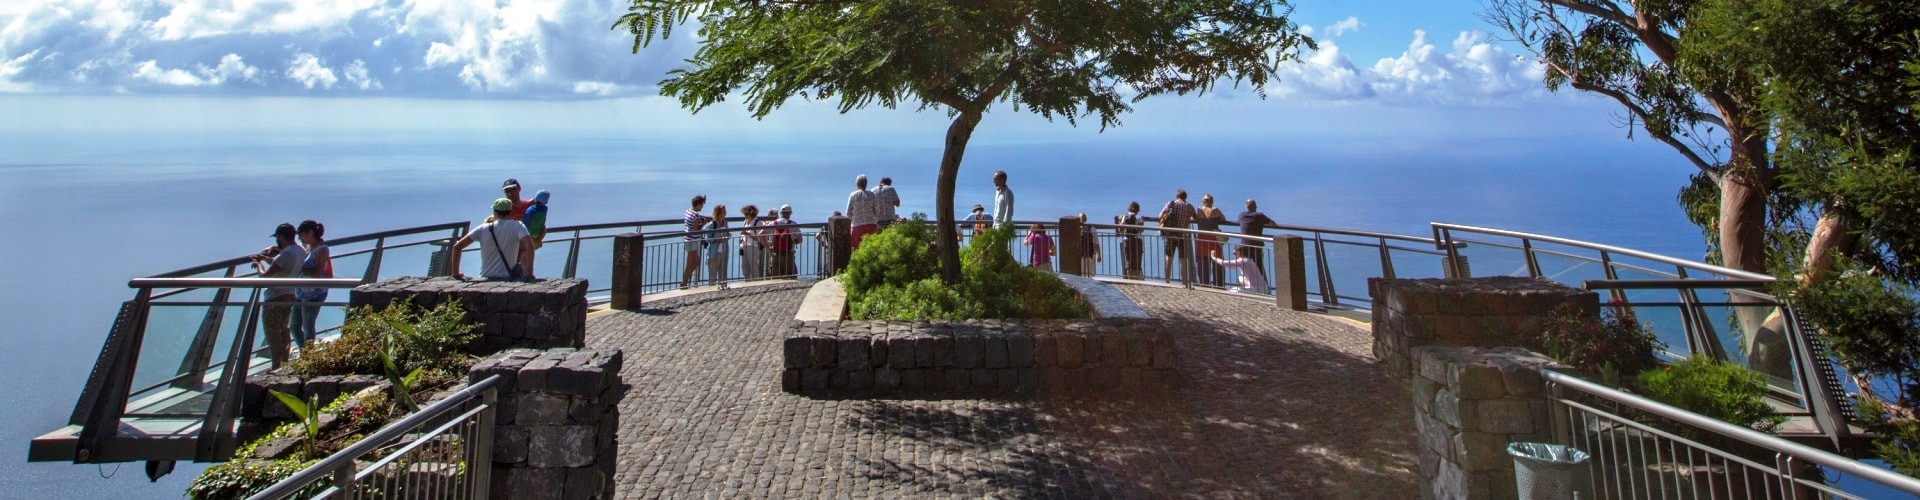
(257, 403)
(556, 424)
(1468, 404)
(976, 358)
(1482, 312)
(531, 314)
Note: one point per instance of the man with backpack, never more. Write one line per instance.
(782, 244)
(506, 252)
(1177, 214)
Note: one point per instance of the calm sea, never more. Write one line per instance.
(85, 213)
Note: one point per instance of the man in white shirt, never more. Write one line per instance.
(1002, 201)
(505, 248)
(889, 202)
(1250, 278)
(864, 209)
(282, 260)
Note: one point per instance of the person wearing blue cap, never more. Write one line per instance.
(535, 218)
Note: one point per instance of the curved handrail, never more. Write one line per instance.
(358, 238)
(1831, 461)
(321, 470)
(1439, 227)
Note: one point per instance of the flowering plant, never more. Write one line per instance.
(1611, 345)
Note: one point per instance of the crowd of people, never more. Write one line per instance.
(767, 246)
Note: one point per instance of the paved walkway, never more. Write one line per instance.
(1273, 404)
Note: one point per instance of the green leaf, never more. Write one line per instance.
(299, 408)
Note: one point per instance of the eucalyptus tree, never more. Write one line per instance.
(1059, 59)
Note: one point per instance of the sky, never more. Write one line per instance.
(1420, 68)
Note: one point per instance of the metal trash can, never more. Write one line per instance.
(1545, 471)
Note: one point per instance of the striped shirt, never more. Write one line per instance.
(695, 222)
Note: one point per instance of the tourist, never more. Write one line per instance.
(1208, 218)
(694, 222)
(504, 246)
(716, 248)
(784, 242)
(751, 253)
(1252, 222)
(980, 219)
(1089, 247)
(864, 209)
(889, 201)
(1176, 215)
(511, 188)
(282, 260)
(1251, 279)
(317, 264)
(1131, 247)
(535, 218)
(1039, 247)
(1002, 201)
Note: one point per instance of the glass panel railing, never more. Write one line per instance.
(596, 263)
(352, 266)
(1416, 263)
(1568, 269)
(1492, 259)
(174, 357)
(411, 260)
(1351, 265)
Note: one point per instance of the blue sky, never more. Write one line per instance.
(1429, 69)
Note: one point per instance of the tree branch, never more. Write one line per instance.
(1641, 112)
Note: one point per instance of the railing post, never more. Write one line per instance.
(373, 263)
(629, 270)
(1455, 263)
(343, 481)
(840, 241)
(103, 420)
(1070, 251)
(573, 257)
(1290, 272)
(1533, 262)
(481, 463)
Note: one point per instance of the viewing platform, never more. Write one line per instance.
(1271, 403)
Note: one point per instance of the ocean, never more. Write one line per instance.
(88, 211)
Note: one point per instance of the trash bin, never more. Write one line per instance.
(1545, 471)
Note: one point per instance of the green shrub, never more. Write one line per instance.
(897, 280)
(1721, 390)
(902, 254)
(242, 478)
(1613, 344)
(416, 338)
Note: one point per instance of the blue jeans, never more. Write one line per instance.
(305, 313)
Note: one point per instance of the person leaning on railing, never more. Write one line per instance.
(1089, 247)
(1252, 223)
(1178, 245)
(694, 221)
(1208, 218)
(504, 246)
(279, 261)
(1131, 247)
(716, 248)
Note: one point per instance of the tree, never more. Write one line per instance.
(1058, 59)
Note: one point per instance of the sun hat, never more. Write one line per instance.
(978, 208)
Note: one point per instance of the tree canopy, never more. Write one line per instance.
(1059, 59)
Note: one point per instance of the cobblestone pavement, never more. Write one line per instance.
(1271, 404)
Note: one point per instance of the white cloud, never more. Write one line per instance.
(310, 72)
(1344, 26)
(1473, 71)
(151, 71)
(357, 76)
(474, 48)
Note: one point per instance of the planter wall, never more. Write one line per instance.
(976, 358)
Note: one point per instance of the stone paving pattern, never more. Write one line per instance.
(1269, 404)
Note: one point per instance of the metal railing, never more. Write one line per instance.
(1642, 448)
(442, 451)
(732, 255)
(1694, 308)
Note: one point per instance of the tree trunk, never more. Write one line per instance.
(1743, 220)
(1830, 238)
(949, 232)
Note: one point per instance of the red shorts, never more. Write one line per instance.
(860, 232)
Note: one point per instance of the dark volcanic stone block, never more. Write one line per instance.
(1020, 351)
(796, 351)
(1072, 350)
(853, 353)
(900, 352)
(993, 351)
(825, 352)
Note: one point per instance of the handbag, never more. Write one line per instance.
(493, 232)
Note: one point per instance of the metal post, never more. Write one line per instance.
(1327, 293)
(840, 237)
(103, 422)
(343, 481)
(1069, 247)
(200, 354)
(573, 257)
(482, 463)
(1290, 272)
(1386, 262)
(216, 428)
(629, 271)
(373, 264)
(1533, 262)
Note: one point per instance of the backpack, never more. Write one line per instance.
(1173, 218)
(783, 239)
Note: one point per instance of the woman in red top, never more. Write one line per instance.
(1039, 247)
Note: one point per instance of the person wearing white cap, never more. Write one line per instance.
(506, 251)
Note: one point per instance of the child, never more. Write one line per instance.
(1039, 246)
(536, 219)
